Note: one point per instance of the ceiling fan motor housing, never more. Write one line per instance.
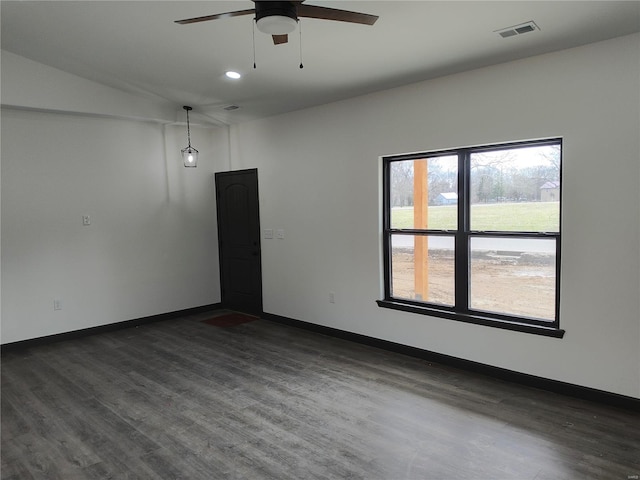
(269, 9)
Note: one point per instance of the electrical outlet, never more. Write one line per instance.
(86, 220)
(332, 297)
(268, 233)
(57, 304)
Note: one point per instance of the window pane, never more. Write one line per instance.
(516, 189)
(423, 193)
(513, 276)
(423, 268)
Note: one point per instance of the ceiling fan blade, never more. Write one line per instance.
(206, 18)
(324, 13)
(280, 39)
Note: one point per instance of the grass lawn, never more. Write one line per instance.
(525, 217)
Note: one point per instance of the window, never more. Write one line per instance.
(473, 234)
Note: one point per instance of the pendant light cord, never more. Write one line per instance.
(254, 43)
(300, 31)
(188, 128)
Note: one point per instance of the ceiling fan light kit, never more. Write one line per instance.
(276, 25)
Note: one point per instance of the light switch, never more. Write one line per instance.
(86, 220)
(280, 233)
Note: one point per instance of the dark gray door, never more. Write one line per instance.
(239, 240)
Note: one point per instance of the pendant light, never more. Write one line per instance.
(189, 154)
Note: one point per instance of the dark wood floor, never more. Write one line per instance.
(181, 399)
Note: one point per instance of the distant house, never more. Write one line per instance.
(447, 198)
(550, 192)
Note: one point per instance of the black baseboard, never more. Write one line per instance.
(22, 344)
(556, 386)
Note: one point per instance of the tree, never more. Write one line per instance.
(443, 177)
(402, 183)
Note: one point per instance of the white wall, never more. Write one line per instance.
(319, 172)
(152, 244)
(29, 84)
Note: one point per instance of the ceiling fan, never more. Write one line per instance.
(278, 19)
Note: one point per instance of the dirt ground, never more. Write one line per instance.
(503, 284)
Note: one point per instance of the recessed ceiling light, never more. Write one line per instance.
(233, 75)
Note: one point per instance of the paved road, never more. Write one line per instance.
(506, 244)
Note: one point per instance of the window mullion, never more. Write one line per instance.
(462, 237)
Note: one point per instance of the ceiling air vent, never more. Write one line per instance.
(518, 29)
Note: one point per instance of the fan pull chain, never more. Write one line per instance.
(300, 30)
(254, 43)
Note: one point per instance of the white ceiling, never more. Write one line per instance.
(136, 46)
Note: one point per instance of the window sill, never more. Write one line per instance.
(475, 319)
